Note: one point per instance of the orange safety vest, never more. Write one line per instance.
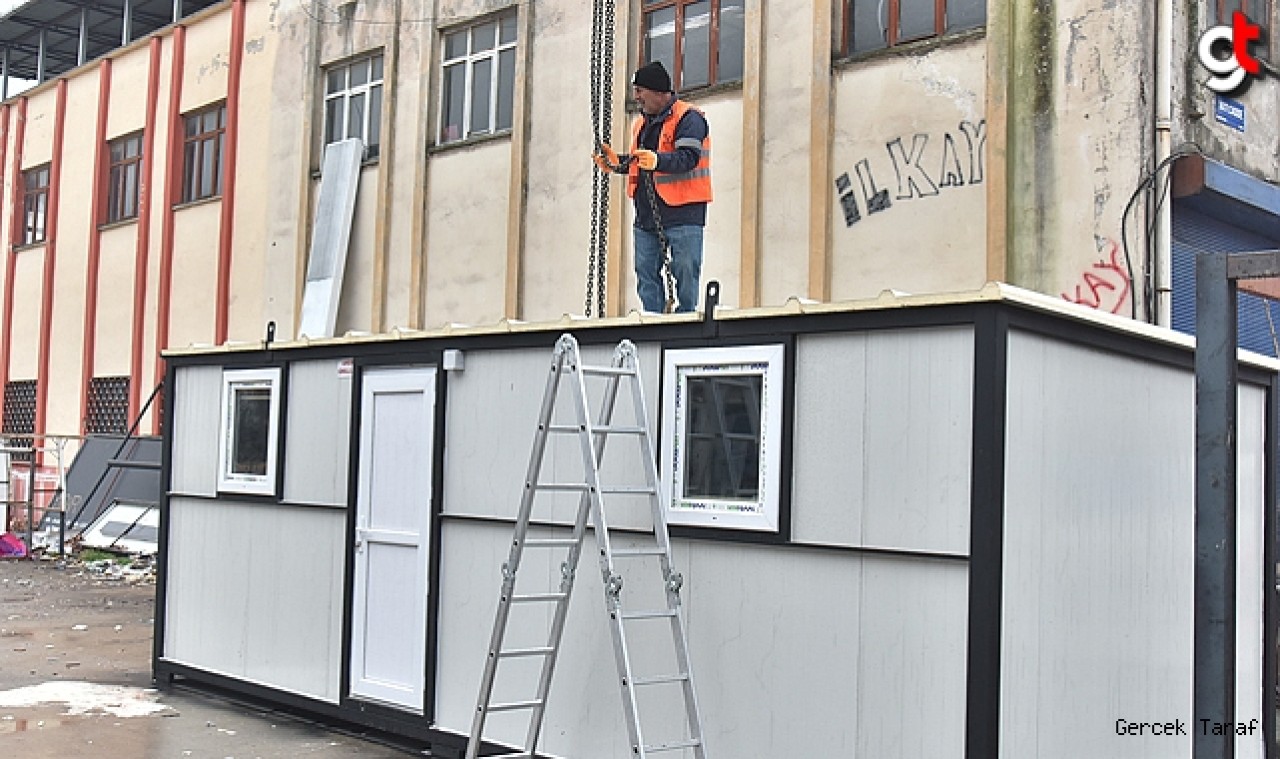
(675, 189)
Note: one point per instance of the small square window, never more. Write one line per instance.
(722, 418)
(250, 412)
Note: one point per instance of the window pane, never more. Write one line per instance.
(377, 68)
(917, 19)
(217, 166)
(374, 139)
(722, 431)
(506, 87)
(454, 94)
(696, 71)
(207, 169)
(481, 82)
(133, 148)
(869, 25)
(355, 116)
(359, 73)
(251, 420)
(189, 171)
(130, 191)
(660, 37)
(729, 56)
(455, 45)
(192, 124)
(333, 126)
(117, 151)
(335, 81)
(484, 37)
(965, 14)
(210, 121)
(507, 29)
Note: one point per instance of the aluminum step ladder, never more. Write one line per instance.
(623, 623)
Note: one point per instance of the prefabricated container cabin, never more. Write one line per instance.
(970, 532)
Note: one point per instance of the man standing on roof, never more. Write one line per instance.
(670, 154)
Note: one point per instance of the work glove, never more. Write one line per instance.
(607, 160)
(646, 159)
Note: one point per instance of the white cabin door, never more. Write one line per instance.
(392, 537)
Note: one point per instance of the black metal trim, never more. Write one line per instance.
(388, 723)
(433, 360)
(785, 457)
(435, 545)
(986, 535)
(1270, 618)
(162, 540)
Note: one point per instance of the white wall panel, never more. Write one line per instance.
(882, 439)
(875, 645)
(317, 433)
(197, 395)
(1250, 531)
(493, 408)
(1098, 552)
(255, 592)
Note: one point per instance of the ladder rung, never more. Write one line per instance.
(602, 429)
(649, 614)
(550, 543)
(511, 653)
(659, 679)
(639, 490)
(694, 743)
(654, 551)
(614, 371)
(537, 598)
(578, 486)
(514, 706)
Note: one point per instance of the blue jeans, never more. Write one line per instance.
(686, 267)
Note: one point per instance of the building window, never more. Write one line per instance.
(107, 406)
(1258, 11)
(35, 204)
(699, 41)
(250, 410)
(19, 422)
(202, 141)
(877, 24)
(478, 79)
(123, 177)
(353, 103)
(722, 410)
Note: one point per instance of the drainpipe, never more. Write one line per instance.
(1163, 241)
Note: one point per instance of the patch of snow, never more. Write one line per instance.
(83, 698)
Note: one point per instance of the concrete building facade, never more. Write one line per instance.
(163, 194)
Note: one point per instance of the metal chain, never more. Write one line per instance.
(602, 33)
(667, 277)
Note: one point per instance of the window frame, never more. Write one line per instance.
(893, 15)
(35, 205)
(371, 149)
(468, 61)
(234, 381)
(118, 197)
(215, 140)
(675, 67)
(763, 514)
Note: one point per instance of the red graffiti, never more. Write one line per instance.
(1106, 285)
